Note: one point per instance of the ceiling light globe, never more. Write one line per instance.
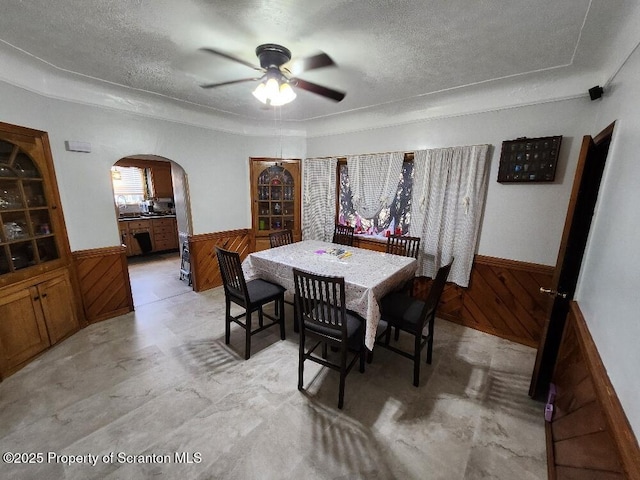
(260, 93)
(287, 94)
(272, 89)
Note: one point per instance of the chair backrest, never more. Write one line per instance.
(283, 237)
(232, 275)
(320, 302)
(435, 292)
(405, 246)
(343, 234)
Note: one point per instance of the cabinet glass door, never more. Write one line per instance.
(276, 199)
(27, 237)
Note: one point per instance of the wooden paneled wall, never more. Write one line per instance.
(204, 264)
(589, 436)
(103, 277)
(503, 299)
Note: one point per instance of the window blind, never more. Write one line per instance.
(130, 181)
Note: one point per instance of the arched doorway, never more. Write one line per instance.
(151, 200)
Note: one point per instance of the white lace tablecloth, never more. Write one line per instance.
(368, 275)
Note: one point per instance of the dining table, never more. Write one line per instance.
(368, 275)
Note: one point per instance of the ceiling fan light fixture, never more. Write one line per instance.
(274, 91)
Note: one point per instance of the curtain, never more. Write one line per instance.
(374, 181)
(319, 198)
(449, 186)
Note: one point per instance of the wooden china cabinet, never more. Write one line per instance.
(275, 198)
(38, 306)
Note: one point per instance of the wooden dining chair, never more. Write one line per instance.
(282, 237)
(252, 296)
(343, 235)
(322, 316)
(411, 315)
(406, 247)
(403, 245)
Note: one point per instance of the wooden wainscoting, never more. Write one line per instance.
(589, 436)
(503, 299)
(204, 264)
(103, 277)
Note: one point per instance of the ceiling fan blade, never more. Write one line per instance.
(300, 65)
(231, 82)
(231, 57)
(334, 95)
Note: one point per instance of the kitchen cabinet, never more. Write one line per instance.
(33, 316)
(163, 234)
(275, 198)
(128, 231)
(161, 178)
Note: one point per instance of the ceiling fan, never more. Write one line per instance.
(279, 74)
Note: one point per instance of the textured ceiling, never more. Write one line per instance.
(386, 51)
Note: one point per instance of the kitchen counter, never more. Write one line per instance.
(145, 217)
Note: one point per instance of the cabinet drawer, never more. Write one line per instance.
(163, 229)
(133, 224)
(133, 231)
(163, 237)
(166, 244)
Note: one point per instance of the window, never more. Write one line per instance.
(129, 185)
(395, 218)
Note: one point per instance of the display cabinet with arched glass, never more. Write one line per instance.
(28, 234)
(38, 300)
(275, 190)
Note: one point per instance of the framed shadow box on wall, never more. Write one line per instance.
(528, 160)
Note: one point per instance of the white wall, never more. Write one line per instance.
(216, 162)
(609, 287)
(521, 222)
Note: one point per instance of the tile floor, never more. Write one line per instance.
(161, 382)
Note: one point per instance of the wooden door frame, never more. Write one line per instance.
(563, 284)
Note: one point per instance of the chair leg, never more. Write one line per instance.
(227, 321)
(281, 317)
(260, 317)
(301, 362)
(324, 350)
(343, 375)
(429, 350)
(416, 361)
(363, 354)
(341, 392)
(387, 336)
(397, 334)
(430, 342)
(247, 340)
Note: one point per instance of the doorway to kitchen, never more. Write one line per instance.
(156, 277)
(152, 206)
